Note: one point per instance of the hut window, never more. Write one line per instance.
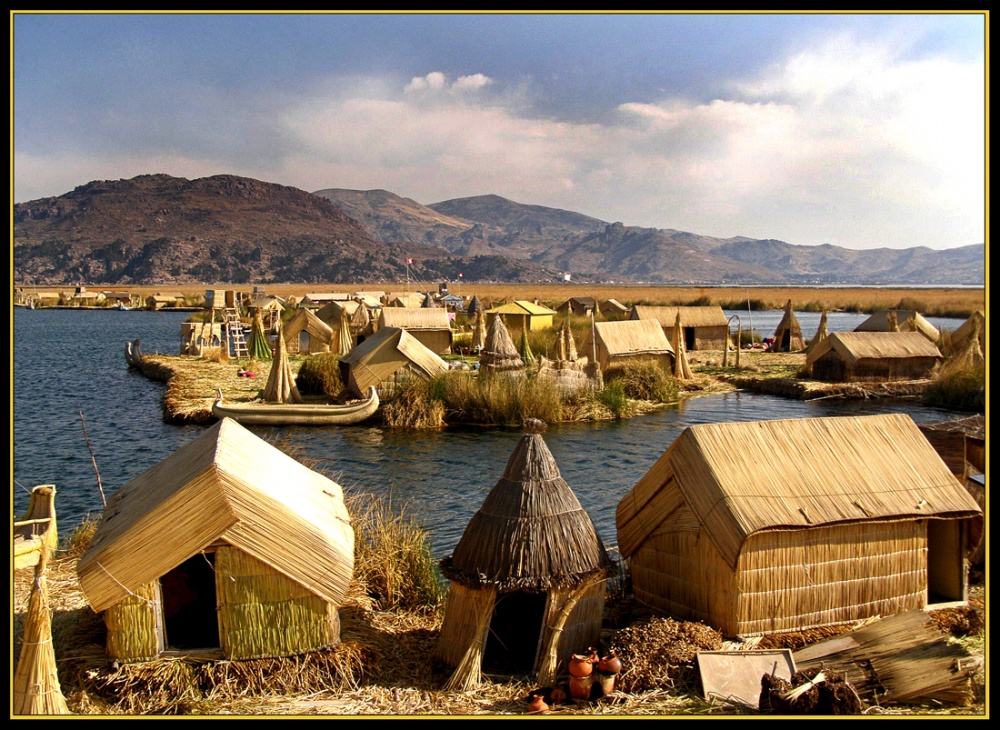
(515, 629)
(189, 604)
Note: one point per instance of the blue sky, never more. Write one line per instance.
(860, 130)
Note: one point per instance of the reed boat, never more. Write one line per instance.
(298, 414)
(37, 529)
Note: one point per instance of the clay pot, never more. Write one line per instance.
(579, 687)
(610, 664)
(537, 704)
(580, 665)
(607, 682)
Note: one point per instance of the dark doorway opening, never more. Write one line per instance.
(189, 604)
(514, 631)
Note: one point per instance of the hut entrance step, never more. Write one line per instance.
(234, 330)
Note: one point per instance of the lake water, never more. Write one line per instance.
(76, 404)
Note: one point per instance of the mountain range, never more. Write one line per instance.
(155, 229)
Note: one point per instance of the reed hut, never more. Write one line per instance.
(522, 315)
(705, 328)
(429, 325)
(227, 547)
(528, 576)
(821, 334)
(630, 339)
(881, 322)
(788, 333)
(412, 300)
(307, 333)
(583, 306)
(873, 357)
(196, 337)
(974, 328)
(386, 355)
(474, 308)
(499, 354)
(563, 365)
(479, 331)
(859, 517)
(612, 309)
(331, 312)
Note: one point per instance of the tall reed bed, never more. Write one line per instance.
(960, 384)
(393, 560)
(499, 399)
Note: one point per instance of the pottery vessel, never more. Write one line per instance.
(580, 665)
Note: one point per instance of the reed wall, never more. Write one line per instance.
(132, 626)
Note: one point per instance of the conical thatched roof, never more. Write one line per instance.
(821, 334)
(475, 307)
(531, 532)
(564, 348)
(360, 320)
(428, 301)
(479, 332)
(499, 353)
(280, 386)
(36, 679)
(682, 371)
(524, 350)
(788, 334)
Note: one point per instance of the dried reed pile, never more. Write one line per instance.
(662, 653)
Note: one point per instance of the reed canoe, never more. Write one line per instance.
(37, 528)
(298, 414)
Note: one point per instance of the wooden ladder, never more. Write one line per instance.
(234, 328)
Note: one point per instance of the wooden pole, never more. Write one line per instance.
(100, 488)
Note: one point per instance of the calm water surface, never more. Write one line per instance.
(68, 363)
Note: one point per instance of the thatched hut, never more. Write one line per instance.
(788, 333)
(882, 320)
(430, 325)
(227, 545)
(873, 357)
(499, 354)
(474, 308)
(972, 328)
(564, 366)
(331, 312)
(307, 333)
(822, 331)
(612, 309)
(705, 328)
(528, 577)
(630, 339)
(522, 315)
(859, 517)
(385, 355)
(196, 337)
(583, 306)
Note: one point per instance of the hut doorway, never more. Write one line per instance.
(515, 629)
(945, 562)
(689, 340)
(190, 618)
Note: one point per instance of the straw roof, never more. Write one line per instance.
(521, 307)
(479, 331)
(633, 336)
(499, 352)
(612, 306)
(361, 319)
(880, 322)
(531, 532)
(306, 319)
(821, 334)
(855, 346)
(475, 306)
(281, 386)
(790, 329)
(975, 325)
(564, 347)
(710, 316)
(682, 371)
(404, 299)
(385, 353)
(431, 318)
(330, 312)
(830, 470)
(227, 485)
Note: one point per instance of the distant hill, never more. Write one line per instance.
(228, 229)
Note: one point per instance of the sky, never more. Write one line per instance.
(858, 130)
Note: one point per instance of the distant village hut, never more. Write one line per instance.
(331, 312)
(873, 357)
(582, 306)
(788, 333)
(522, 315)
(430, 326)
(630, 340)
(821, 334)
(474, 308)
(307, 333)
(858, 518)
(613, 309)
(227, 545)
(499, 353)
(705, 328)
(528, 576)
(564, 366)
(882, 320)
(412, 300)
(387, 354)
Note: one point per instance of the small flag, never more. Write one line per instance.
(461, 275)
(409, 261)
